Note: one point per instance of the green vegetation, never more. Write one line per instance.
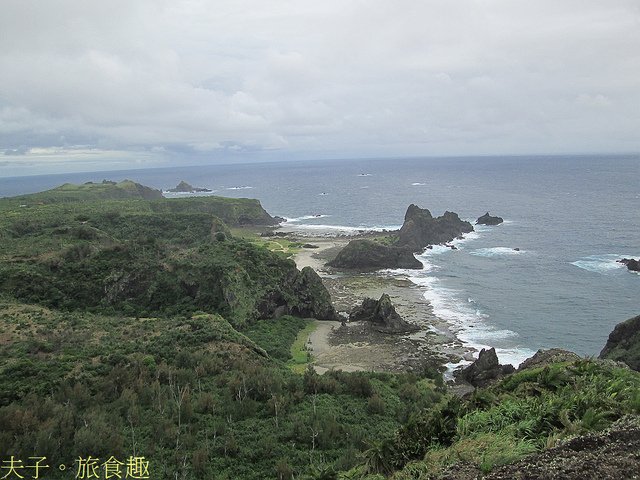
(278, 336)
(135, 325)
(283, 246)
(181, 388)
(132, 325)
(526, 412)
(300, 355)
(142, 258)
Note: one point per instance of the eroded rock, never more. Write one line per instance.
(382, 315)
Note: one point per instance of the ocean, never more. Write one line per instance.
(571, 217)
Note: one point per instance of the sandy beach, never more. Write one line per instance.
(353, 346)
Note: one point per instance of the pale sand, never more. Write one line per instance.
(312, 257)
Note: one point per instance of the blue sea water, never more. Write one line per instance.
(570, 216)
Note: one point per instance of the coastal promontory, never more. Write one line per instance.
(419, 230)
(184, 187)
(487, 219)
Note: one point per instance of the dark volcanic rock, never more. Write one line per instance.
(367, 255)
(420, 228)
(184, 187)
(382, 315)
(631, 263)
(547, 357)
(485, 369)
(623, 344)
(487, 219)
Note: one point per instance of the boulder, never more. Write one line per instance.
(623, 344)
(421, 229)
(487, 219)
(382, 315)
(369, 255)
(631, 263)
(485, 369)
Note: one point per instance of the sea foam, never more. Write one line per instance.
(496, 252)
(604, 264)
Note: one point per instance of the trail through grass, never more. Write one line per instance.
(300, 354)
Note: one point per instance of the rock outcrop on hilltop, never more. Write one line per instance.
(485, 369)
(420, 228)
(623, 344)
(370, 255)
(487, 219)
(382, 315)
(631, 263)
(184, 187)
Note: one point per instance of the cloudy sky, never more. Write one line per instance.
(96, 85)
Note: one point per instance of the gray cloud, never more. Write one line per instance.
(185, 80)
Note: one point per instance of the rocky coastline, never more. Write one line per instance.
(414, 337)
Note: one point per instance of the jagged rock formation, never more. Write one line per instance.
(487, 219)
(184, 187)
(623, 344)
(485, 369)
(367, 254)
(301, 294)
(547, 357)
(420, 228)
(631, 263)
(382, 315)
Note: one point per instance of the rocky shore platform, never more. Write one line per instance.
(356, 346)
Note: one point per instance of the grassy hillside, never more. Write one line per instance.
(143, 327)
(194, 396)
(233, 211)
(526, 412)
(144, 258)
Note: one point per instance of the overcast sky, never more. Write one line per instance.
(95, 85)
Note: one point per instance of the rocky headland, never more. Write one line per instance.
(487, 219)
(419, 230)
(184, 187)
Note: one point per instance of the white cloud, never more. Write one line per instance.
(188, 78)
